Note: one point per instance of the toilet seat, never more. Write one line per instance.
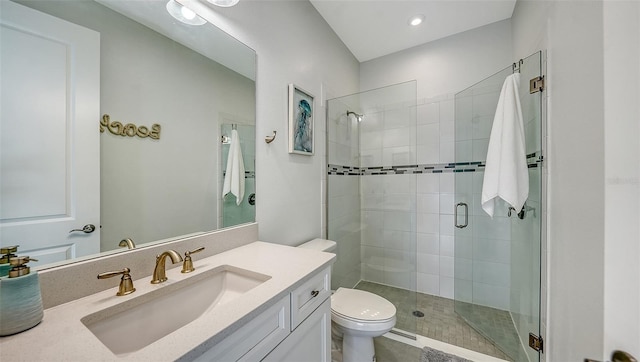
(378, 327)
(362, 310)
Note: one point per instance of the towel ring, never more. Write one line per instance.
(269, 139)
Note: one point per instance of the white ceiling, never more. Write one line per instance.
(373, 28)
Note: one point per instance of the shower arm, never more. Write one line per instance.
(358, 116)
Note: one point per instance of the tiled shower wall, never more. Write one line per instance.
(406, 221)
(388, 137)
(435, 247)
(402, 214)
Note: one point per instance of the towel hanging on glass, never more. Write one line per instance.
(506, 174)
(234, 174)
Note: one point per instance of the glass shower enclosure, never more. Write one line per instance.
(371, 195)
(497, 260)
(391, 208)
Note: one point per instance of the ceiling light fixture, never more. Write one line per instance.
(184, 14)
(416, 20)
(187, 13)
(224, 3)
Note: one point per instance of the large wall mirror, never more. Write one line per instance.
(117, 122)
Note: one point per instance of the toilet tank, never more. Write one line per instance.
(320, 245)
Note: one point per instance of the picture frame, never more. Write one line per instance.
(301, 121)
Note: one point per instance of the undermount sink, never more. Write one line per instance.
(134, 324)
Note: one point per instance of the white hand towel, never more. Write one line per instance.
(505, 174)
(234, 175)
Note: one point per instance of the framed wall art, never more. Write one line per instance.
(301, 121)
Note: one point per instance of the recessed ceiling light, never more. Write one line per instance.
(187, 13)
(224, 3)
(416, 20)
(183, 14)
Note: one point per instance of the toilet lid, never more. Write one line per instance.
(359, 304)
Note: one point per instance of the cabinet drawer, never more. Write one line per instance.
(306, 298)
(255, 339)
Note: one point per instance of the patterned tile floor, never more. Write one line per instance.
(442, 323)
(388, 350)
(391, 350)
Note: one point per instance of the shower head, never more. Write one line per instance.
(358, 116)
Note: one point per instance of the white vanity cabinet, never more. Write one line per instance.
(297, 329)
(284, 317)
(310, 341)
(255, 339)
(310, 338)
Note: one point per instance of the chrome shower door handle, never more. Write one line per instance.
(466, 215)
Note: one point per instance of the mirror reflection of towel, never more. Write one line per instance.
(234, 175)
(506, 174)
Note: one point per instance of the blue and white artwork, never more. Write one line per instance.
(300, 121)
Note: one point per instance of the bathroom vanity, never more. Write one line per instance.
(259, 301)
(301, 321)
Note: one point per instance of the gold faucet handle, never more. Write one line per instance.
(126, 283)
(188, 253)
(128, 242)
(187, 266)
(9, 249)
(7, 253)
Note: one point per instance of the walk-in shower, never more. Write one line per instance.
(392, 186)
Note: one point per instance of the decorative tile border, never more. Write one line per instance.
(533, 161)
(247, 174)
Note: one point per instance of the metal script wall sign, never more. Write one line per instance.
(129, 129)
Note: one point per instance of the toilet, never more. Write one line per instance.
(357, 315)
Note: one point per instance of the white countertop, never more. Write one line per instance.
(61, 336)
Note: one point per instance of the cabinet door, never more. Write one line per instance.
(310, 341)
(254, 339)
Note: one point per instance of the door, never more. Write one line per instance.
(497, 260)
(622, 179)
(49, 145)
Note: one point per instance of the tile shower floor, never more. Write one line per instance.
(442, 323)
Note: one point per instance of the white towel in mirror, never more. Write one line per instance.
(234, 175)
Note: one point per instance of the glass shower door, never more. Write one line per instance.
(497, 260)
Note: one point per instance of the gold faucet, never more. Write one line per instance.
(159, 275)
(128, 242)
(126, 283)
